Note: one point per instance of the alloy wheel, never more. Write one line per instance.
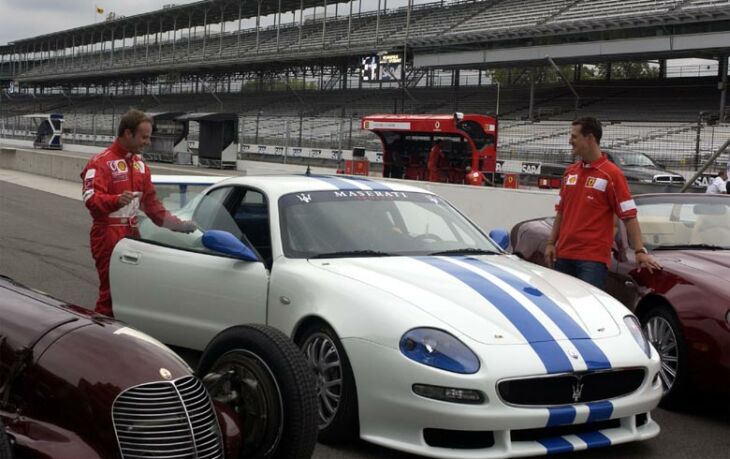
(661, 335)
(322, 356)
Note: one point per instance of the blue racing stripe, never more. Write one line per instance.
(334, 181)
(594, 439)
(599, 411)
(547, 349)
(376, 186)
(593, 356)
(556, 445)
(561, 416)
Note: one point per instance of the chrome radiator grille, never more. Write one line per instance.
(167, 419)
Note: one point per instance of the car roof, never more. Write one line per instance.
(278, 185)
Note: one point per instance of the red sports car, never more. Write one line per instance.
(684, 308)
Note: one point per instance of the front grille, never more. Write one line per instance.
(172, 419)
(668, 179)
(571, 388)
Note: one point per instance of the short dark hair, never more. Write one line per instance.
(590, 125)
(131, 120)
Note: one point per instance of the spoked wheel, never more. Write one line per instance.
(664, 333)
(5, 447)
(263, 377)
(244, 382)
(336, 394)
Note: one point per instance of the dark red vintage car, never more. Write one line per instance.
(77, 385)
(684, 308)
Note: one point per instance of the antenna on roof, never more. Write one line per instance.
(309, 171)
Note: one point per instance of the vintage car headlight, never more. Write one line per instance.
(439, 349)
(632, 323)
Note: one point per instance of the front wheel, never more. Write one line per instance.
(663, 331)
(336, 393)
(263, 377)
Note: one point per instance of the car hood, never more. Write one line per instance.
(703, 263)
(493, 299)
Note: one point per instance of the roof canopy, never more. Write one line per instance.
(174, 17)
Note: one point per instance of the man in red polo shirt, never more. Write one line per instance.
(594, 190)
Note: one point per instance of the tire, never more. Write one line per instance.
(5, 448)
(338, 416)
(262, 375)
(662, 329)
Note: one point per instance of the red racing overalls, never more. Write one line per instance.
(105, 177)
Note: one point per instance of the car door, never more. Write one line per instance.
(172, 287)
(620, 283)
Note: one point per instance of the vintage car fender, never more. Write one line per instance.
(63, 368)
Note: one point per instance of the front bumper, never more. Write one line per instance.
(393, 416)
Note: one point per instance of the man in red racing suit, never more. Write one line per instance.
(116, 184)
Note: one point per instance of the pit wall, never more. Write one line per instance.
(488, 207)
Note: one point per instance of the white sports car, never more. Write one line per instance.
(424, 334)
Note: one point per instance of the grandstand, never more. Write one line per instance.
(291, 69)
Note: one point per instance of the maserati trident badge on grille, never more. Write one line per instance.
(165, 373)
(577, 391)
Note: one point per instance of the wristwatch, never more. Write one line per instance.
(642, 250)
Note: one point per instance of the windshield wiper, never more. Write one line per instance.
(690, 247)
(466, 251)
(353, 253)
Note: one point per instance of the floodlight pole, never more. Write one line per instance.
(567, 82)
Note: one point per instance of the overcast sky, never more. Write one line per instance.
(28, 18)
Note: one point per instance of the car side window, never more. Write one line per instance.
(209, 213)
(251, 216)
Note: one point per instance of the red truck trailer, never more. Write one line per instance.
(469, 144)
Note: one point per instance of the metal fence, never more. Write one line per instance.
(683, 147)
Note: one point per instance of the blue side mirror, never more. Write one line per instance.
(501, 237)
(228, 244)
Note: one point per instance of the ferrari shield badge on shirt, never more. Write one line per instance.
(596, 183)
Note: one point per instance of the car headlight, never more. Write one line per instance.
(632, 323)
(439, 349)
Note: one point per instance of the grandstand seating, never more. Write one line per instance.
(432, 21)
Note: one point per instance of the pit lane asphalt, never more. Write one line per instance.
(44, 244)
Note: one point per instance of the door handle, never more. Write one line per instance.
(629, 283)
(131, 258)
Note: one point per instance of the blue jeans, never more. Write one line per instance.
(593, 272)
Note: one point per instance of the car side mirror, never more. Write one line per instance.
(228, 244)
(661, 165)
(501, 237)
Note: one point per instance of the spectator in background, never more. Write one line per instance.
(594, 190)
(435, 156)
(718, 185)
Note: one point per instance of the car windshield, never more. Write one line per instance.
(326, 224)
(633, 159)
(689, 223)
